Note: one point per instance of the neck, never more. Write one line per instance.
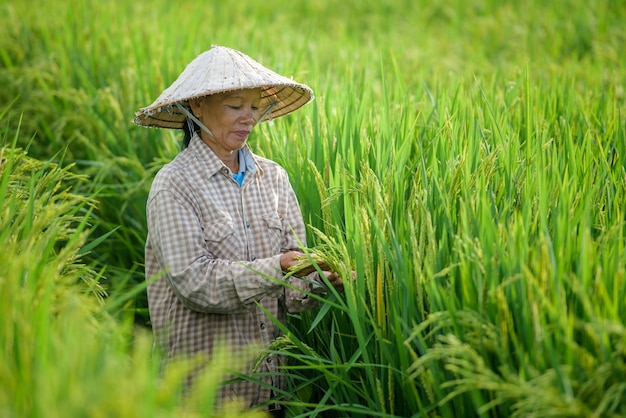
(229, 158)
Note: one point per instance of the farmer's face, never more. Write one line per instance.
(230, 117)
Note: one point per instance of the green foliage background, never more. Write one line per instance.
(465, 158)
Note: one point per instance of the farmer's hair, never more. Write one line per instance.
(189, 133)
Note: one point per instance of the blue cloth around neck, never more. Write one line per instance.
(242, 169)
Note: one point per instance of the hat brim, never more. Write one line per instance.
(287, 98)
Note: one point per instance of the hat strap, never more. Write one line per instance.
(195, 119)
(269, 108)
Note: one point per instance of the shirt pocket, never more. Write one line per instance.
(274, 225)
(218, 231)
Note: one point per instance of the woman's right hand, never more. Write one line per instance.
(290, 260)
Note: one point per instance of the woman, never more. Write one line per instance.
(223, 223)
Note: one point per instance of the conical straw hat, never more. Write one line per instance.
(218, 70)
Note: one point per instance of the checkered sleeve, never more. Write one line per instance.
(202, 282)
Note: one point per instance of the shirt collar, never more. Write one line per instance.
(212, 163)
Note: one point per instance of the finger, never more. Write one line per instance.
(334, 279)
(310, 268)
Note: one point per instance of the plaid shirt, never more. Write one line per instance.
(214, 243)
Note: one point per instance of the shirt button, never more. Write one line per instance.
(269, 360)
(262, 325)
(247, 224)
(252, 258)
(225, 170)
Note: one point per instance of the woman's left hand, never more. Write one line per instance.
(335, 280)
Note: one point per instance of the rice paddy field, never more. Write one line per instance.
(466, 159)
